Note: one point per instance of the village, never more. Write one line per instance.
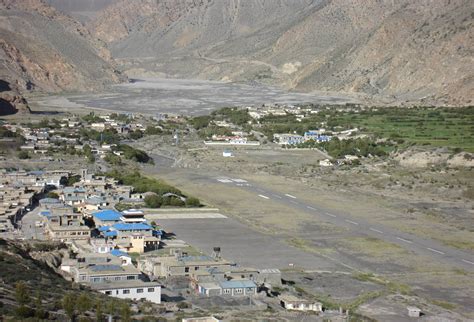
(78, 183)
(126, 255)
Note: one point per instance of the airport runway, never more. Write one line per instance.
(454, 257)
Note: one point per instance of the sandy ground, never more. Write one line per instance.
(176, 96)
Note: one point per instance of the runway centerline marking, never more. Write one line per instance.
(351, 222)
(277, 196)
(290, 196)
(405, 240)
(309, 207)
(435, 250)
(376, 230)
(469, 262)
(264, 197)
(331, 215)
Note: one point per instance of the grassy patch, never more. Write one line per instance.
(444, 304)
(461, 244)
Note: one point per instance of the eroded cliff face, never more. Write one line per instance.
(418, 51)
(11, 101)
(42, 49)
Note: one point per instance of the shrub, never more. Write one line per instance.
(192, 202)
(23, 155)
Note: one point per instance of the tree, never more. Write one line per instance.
(69, 305)
(52, 194)
(153, 201)
(23, 155)
(135, 135)
(83, 303)
(21, 293)
(125, 313)
(40, 313)
(176, 202)
(192, 202)
(99, 313)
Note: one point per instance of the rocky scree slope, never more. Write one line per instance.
(42, 49)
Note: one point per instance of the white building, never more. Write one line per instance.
(133, 290)
(291, 302)
(227, 154)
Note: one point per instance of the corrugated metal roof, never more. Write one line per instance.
(133, 226)
(103, 268)
(237, 284)
(107, 215)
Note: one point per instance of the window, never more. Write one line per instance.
(186, 269)
(130, 277)
(117, 278)
(139, 290)
(108, 292)
(126, 292)
(239, 291)
(226, 291)
(250, 289)
(95, 279)
(196, 268)
(151, 290)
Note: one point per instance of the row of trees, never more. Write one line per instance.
(72, 304)
(156, 201)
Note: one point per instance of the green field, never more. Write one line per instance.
(441, 127)
(444, 127)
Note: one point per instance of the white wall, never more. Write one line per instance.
(154, 297)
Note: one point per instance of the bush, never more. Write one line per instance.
(153, 201)
(23, 155)
(53, 195)
(192, 202)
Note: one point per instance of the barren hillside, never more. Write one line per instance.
(399, 50)
(45, 50)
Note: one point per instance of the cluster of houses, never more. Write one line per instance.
(237, 138)
(18, 191)
(295, 139)
(67, 132)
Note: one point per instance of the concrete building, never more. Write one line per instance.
(179, 265)
(63, 224)
(414, 312)
(288, 139)
(134, 290)
(291, 302)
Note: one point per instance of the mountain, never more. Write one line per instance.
(399, 50)
(42, 49)
(11, 101)
(82, 10)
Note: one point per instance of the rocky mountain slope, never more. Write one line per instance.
(42, 49)
(82, 10)
(11, 101)
(397, 50)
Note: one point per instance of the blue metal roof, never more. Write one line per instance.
(110, 234)
(157, 233)
(237, 284)
(117, 252)
(104, 228)
(45, 213)
(102, 268)
(134, 226)
(107, 215)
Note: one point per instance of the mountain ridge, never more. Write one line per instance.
(42, 49)
(400, 50)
